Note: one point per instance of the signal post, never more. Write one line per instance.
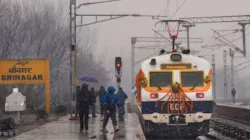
(118, 70)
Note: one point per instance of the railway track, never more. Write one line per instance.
(231, 121)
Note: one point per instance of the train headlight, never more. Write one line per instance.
(154, 95)
(156, 117)
(199, 117)
(200, 95)
(153, 62)
(176, 57)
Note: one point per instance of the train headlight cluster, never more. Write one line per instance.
(200, 95)
(176, 57)
(199, 117)
(154, 95)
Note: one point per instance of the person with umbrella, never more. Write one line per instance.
(84, 103)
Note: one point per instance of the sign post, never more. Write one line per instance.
(118, 68)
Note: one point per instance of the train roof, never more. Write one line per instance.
(186, 58)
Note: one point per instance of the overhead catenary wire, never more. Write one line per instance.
(177, 10)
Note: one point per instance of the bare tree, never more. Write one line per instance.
(38, 31)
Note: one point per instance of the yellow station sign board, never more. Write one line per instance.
(26, 71)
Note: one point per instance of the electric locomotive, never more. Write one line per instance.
(174, 92)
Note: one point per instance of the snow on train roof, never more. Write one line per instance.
(201, 63)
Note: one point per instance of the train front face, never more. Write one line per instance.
(193, 74)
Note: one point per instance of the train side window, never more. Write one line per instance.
(161, 79)
(192, 78)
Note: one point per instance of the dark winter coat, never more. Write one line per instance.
(122, 96)
(84, 99)
(78, 92)
(93, 95)
(101, 94)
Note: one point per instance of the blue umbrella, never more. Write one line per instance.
(88, 79)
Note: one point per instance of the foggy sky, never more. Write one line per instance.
(114, 37)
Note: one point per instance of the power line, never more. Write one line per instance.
(243, 68)
(177, 10)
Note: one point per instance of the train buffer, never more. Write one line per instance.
(64, 129)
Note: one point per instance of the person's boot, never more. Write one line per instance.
(116, 129)
(81, 129)
(121, 120)
(94, 116)
(104, 130)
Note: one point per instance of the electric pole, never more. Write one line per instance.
(187, 26)
(72, 55)
(213, 78)
(73, 25)
(242, 20)
(233, 92)
(243, 25)
(231, 54)
(133, 42)
(225, 73)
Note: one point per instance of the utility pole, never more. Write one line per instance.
(187, 26)
(133, 42)
(225, 73)
(233, 92)
(242, 20)
(243, 25)
(213, 78)
(231, 54)
(73, 25)
(72, 55)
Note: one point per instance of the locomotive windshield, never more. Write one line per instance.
(160, 79)
(190, 79)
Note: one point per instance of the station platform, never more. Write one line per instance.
(64, 129)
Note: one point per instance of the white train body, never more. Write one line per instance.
(190, 72)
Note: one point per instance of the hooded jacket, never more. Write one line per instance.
(122, 96)
(110, 101)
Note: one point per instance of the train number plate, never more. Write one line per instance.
(176, 107)
(174, 119)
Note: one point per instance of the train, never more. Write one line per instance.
(175, 94)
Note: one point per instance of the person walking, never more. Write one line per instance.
(84, 103)
(122, 96)
(110, 102)
(78, 92)
(101, 95)
(93, 99)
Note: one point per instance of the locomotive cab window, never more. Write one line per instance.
(160, 79)
(192, 78)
